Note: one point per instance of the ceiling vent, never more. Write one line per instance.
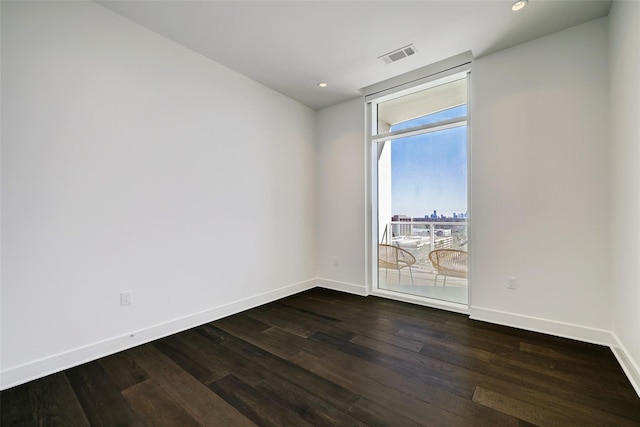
(398, 54)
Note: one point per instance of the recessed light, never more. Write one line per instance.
(322, 84)
(519, 5)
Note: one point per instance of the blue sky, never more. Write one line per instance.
(429, 172)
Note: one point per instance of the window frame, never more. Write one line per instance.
(371, 167)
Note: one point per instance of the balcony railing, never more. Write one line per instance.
(421, 237)
(432, 234)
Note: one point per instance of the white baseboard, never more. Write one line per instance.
(49, 365)
(629, 366)
(350, 288)
(535, 324)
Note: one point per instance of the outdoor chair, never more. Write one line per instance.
(449, 262)
(394, 257)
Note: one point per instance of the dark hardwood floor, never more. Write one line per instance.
(328, 358)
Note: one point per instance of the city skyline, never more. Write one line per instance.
(435, 215)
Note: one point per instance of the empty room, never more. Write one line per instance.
(320, 213)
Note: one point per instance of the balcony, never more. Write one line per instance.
(419, 238)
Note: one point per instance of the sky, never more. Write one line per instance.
(429, 172)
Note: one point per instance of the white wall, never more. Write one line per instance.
(341, 196)
(625, 165)
(132, 163)
(540, 177)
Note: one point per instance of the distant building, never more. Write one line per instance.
(401, 229)
(444, 232)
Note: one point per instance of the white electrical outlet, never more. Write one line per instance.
(512, 282)
(126, 297)
(336, 262)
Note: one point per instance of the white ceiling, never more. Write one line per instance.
(290, 46)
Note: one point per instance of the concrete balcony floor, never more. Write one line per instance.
(455, 289)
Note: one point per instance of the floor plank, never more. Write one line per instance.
(273, 367)
(123, 370)
(49, 401)
(257, 405)
(413, 399)
(197, 399)
(153, 404)
(101, 401)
